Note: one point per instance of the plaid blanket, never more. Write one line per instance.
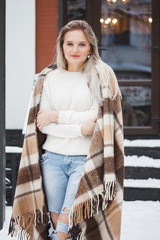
(96, 212)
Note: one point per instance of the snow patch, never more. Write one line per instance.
(140, 220)
(142, 183)
(143, 161)
(10, 149)
(142, 143)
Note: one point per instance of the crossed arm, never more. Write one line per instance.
(70, 123)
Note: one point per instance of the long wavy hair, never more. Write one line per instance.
(94, 68)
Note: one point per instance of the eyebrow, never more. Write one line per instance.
(79, 41)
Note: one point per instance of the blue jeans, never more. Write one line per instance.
(61, 175)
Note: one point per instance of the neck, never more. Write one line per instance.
(74, 68)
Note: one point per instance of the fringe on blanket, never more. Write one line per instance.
(19, 223)
(90, 207)
(22, 234)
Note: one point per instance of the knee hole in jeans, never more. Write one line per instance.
(64, 216)
(63, 219)
(54, 217)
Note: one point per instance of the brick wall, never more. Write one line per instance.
(46, 32)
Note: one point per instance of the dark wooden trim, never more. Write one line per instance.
(65, 9)
(155, 65)
(60, 14)
(140, 131)
(2, 113)
(135, 83)
(93, 15)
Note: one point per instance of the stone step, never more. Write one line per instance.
(141, 167)
(141, 173)
(144, 194)
(148, 189)
(150, 148)
(140, 151)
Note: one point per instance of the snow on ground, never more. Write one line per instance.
(142, 183)
(142, 161)
(12, 149)
(140, 221)
(142, 143)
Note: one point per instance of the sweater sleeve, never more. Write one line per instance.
(73, 117)
(45, 103)
(58, 130)
(63, 130)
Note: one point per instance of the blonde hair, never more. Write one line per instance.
(94, 68)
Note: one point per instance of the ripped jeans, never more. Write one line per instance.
(61, 175)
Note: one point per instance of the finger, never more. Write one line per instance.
(39, 113)
(39, 127)
(38, 118)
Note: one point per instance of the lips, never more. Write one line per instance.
(75, 56)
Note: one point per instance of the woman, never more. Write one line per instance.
(66, 100)
(77, 107)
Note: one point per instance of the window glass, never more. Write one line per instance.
(126, 36)
(76, 9)
(136, 104)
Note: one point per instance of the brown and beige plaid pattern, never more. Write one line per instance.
(96, 212)
(97, 207)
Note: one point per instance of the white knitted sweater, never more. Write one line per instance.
(68, 93)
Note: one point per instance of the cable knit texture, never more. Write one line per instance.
(68, 93)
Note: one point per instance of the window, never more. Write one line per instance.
(129, 41)
(126, 35)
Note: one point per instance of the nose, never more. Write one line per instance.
(75, 48)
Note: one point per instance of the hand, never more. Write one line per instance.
(46, 117)
(88, 127)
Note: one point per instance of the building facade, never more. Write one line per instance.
(128, 39)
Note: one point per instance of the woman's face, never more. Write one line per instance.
(76, 47)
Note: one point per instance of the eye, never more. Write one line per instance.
(82, 44)
(69, 44)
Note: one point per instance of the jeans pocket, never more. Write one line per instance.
(44, 157)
